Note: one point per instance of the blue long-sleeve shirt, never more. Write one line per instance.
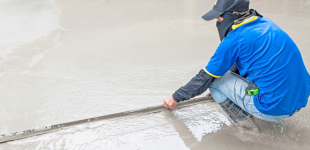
(269, 58)
(265, 54)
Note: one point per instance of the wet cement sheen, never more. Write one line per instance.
(108, 56)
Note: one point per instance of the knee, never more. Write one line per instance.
(213, 87)
(215, 83)
(217, 95)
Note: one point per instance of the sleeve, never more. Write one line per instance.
(224, 57)
(196, 86)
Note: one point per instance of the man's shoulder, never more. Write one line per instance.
(261, 24)
(260, 28)
(251, 30)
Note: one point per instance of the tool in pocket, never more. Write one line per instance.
(252, 89)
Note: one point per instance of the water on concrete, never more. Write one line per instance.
(68, 60)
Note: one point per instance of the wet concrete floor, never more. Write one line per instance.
(68, 60)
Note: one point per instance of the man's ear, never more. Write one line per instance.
(219, 19)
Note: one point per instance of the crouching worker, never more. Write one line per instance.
(257, 70)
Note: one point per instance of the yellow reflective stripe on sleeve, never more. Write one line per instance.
(211, 73)
(236, 26)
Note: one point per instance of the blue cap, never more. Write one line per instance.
(222, 6)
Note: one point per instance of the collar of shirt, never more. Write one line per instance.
(244, 22)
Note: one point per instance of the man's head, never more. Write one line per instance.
(223, 11)
(222, 6)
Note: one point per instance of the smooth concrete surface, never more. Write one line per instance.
(62, 61)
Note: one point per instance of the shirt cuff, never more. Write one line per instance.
(175, 97)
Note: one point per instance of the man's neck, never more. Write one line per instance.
(244, 16)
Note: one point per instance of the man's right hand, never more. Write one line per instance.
(169, 102)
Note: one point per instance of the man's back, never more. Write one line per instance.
(270, 59)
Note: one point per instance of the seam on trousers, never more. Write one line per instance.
(246, 81)
(244, 104)
(235, 93)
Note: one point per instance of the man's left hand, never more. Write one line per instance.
(169, 102)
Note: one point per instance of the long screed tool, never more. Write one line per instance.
(38, 131)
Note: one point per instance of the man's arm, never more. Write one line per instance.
(196, 86)
(223, 60)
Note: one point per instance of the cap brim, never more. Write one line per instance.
(212, 14)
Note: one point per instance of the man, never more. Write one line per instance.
(257, 70)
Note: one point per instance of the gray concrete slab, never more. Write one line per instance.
(80, 59)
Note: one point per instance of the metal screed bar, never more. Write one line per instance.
(38, 131)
